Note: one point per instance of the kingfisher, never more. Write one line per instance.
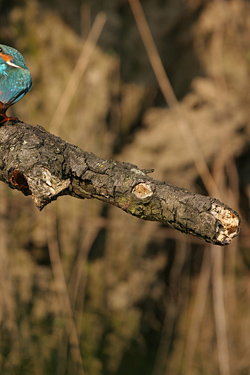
(15, 80)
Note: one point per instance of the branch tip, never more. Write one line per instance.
(230, 223)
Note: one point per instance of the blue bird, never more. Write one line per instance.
(15, 80)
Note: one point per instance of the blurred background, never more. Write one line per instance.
(82, 284)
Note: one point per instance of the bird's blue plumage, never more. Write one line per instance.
(15, 78)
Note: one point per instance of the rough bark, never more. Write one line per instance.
(44, 166)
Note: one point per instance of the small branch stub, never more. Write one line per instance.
(142, 190)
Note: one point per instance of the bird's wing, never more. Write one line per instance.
(14, 85)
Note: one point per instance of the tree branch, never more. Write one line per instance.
(44, 166)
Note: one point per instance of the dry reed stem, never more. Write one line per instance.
(8, 318)
(219, 310)
(169, 95)
(85, 20)
(78, 278)
(233, 198)
(77, 74)
(78, 268)
(152, 52)
(217, 274)
(56, 123)
(223, 164)
(61, 288)
(198, 312)
(225, 168)
(202, 290)
(199, 306)
(172, 313)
